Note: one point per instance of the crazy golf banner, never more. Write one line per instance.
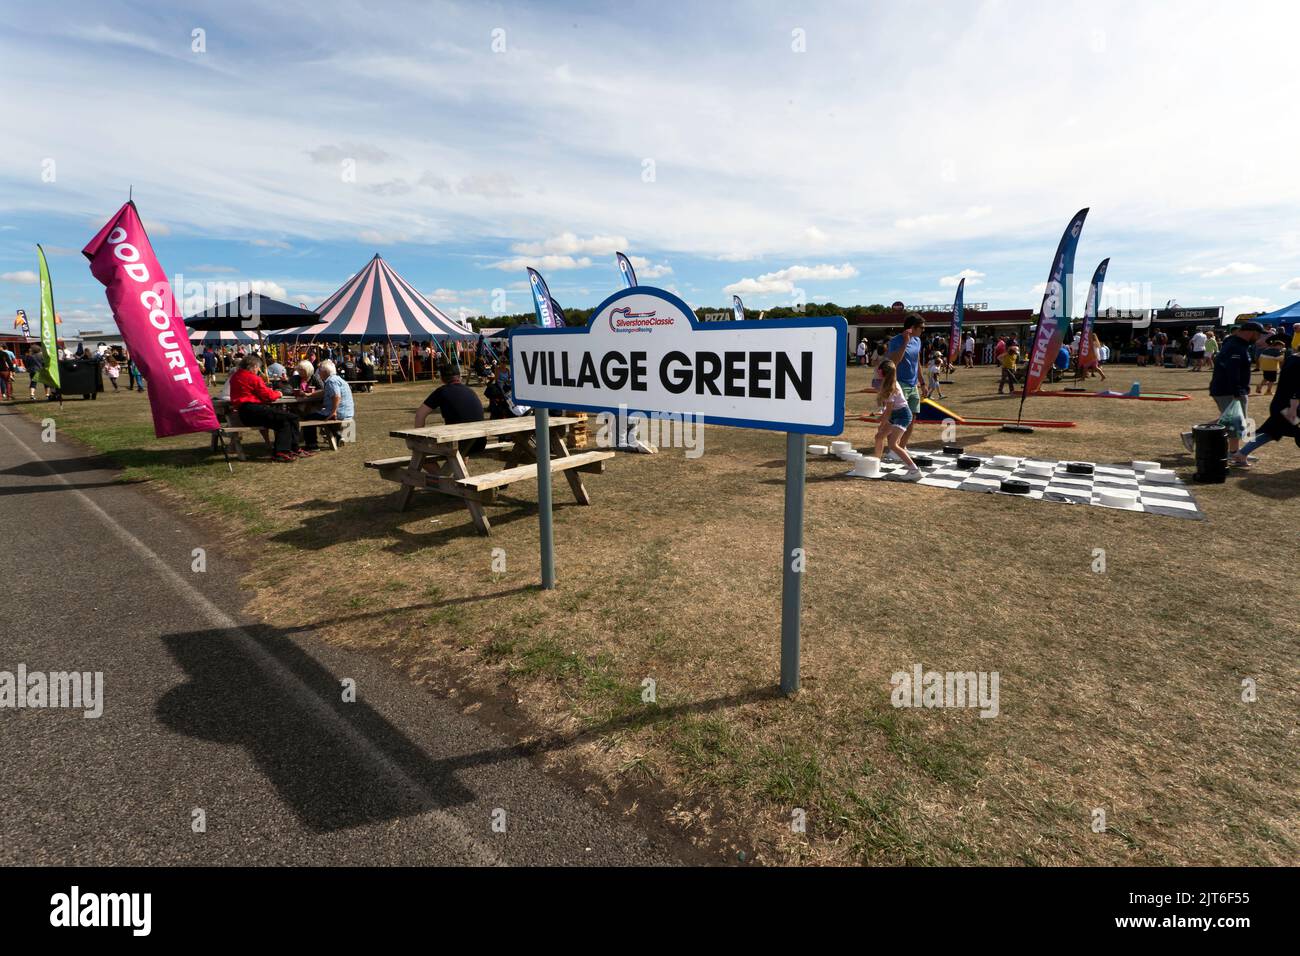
(141, 299)
(1054, 312)
(643, 351)
(958, 312)
(1090, 309)
(737, 309)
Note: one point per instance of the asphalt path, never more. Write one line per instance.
(206, 710)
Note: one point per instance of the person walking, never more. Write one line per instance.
(34, 362)
(1282, 421)
(112, 370)
(210, 364)
(895, 417)
(7, 366)
(905, 353)
(862, 351)
(1230, 381)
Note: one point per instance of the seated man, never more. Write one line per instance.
(252, 401)
(456, 401)
(336, 403)
(276, 374)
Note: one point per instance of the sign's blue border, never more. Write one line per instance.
(837, 322)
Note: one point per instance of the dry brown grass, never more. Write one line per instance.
(1119, 691)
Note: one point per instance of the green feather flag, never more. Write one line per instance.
(49, 373)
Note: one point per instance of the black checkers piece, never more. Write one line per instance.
(922, 461)
(953, 449)
(1015, 486)
(968, 462)
(1078, 467)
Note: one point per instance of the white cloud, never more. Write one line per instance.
(551, 263)
(970, 275)
(938, 219)
(267, 287)
(156, 228)
(815, 235)
(568, 244)
(25, 277)
(1232, 269)
(1250, 303)
(645, 269)
(441, 296)
(269, 243)
(375, 237)
(783, 280)
(1291, 285)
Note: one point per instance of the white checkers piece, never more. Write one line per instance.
(1143, 466)
(1160, 476)
(867, 466)
(1118, 498)
(840, 447)
(817, 449)
(1005, 461)
(1039, 469)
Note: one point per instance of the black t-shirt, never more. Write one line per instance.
(457, 402)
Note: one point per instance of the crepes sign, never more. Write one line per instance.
(643, 350)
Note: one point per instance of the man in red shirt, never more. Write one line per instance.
(253, 401)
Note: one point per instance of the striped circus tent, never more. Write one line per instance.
(227, 337)
(377, 305)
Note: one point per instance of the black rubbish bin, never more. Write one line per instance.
(80, 377)
(1210, 444)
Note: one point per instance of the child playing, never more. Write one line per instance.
(1008, 363)
(113, 370)
(895, 417)
(933, 373)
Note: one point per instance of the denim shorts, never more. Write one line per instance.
(901, 417)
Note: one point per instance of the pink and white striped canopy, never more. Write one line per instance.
(375, 305)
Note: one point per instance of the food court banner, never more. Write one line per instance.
(141, 300)
(643, 351)
(1054, 312)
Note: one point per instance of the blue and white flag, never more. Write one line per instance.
(625, 267)
(737, 308)
(549, 313)
(1055, 310)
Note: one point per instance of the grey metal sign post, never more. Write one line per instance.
(796, 469)
(546, 533)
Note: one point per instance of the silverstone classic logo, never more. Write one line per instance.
(625, 320)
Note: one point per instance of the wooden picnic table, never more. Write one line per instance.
(436, 462)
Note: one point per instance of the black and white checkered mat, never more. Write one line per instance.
(1169, 498)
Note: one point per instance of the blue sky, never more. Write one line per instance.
(857, 152)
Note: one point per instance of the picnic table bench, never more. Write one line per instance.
(436, 462)
(234, 431)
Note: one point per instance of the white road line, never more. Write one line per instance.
(291, 683)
